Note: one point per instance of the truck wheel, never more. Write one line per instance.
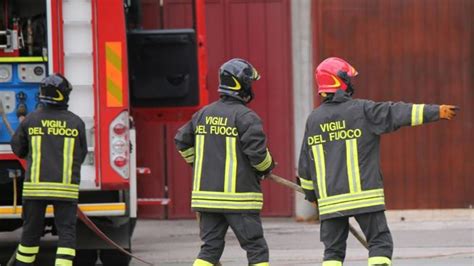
(85, 257)
(111, 257)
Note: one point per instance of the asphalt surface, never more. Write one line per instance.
(446, 240)
(291, 243)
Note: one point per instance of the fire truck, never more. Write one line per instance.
(119, 73)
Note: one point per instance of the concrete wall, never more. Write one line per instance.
(301, 35)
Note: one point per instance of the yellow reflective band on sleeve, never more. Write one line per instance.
(230, 165)
(332, 263)
(25, 259)
(267, 162)
(379, 261)
(35, 158)
(417, 114)
(188, 155)
(198, 162)
(306, 184)
(353, 172)
(68, 152)
(187, 152)
(28, 250)
(200, 262)
(66, 251)
(320, 165)
(189, 159)
(63, 262)
(261, 264)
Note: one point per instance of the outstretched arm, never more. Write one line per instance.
(385, 117)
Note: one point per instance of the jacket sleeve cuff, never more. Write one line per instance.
(266, 165)
(188, 154)
(424, 113)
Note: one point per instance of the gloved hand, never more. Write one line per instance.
(263, 174)
(447, 111)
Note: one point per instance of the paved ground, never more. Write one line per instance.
(421, 239)
(417, 243)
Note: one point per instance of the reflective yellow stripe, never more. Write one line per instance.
(189, 159)
(66, 251)
(28, 250)
(351, 197)
(417, 114)
(63, 262)
(198, 162)
(54, 186)
(23, 59)
(238, 196)
(25, 259)
(199, 262)
(352, 159)
(261, 264)
(332, 263)
(352, 205)
(68, 152)
(187, 152)
(320, 165)
(211, 204)
(306, 184)
(267, 162)
(51, 194)
(230, 165)
(35, 158)
(379, 260)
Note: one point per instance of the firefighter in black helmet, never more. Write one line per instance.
(52, 140)
(225, 143)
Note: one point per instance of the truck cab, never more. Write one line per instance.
(116, 71)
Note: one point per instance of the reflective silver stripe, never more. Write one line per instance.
(306, 184)
(198, 161)
(230, 165)
(417, 114)
(353, 172)
(320, 166)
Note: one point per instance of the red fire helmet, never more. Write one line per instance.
(334, 73)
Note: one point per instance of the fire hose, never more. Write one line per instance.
(295, 187)
(80, 214)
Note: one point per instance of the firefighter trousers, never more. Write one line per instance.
(334, 234)
(33, 226)
(247, 228)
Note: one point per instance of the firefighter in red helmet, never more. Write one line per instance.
(339, 164)
(53, 142)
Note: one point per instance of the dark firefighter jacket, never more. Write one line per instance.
(226, 144)
(339, 163)
(53, 142)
